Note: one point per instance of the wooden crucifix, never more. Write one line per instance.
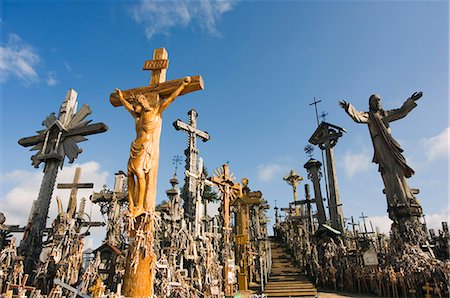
(191, 160)
(22, 288)
(146, 105)
(242, 239)
(229, 190)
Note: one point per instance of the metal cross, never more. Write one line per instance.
(176, 161)
(315, 102)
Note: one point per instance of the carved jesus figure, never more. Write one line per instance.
(387, 152)
(144, 152)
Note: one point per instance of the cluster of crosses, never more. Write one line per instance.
(175, 249)
(341, 254)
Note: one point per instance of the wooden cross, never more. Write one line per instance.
(427, 288)
(293, 179)
(110, 202)
(242, 238)
(363, 217)
(429, 247)
(146, 105)
(58, 140)
(73, 290)
(229, 189)
(61, 135)
(21, 288)
(158, 83)
(74, 186)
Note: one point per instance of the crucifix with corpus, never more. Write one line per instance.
(146, 105)
(224, 181)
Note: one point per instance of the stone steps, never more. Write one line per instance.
(287, 280)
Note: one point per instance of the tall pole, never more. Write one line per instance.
(321, 151)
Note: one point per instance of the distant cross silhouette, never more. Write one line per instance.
(176, 161)
(309, 149)
(323, 115)
(315, 107)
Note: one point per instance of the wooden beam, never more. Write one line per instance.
(164, 89)
(76, 185)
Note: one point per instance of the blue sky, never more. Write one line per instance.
(263, 62)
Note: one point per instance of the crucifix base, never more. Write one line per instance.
(400, 211)
(407, 232)
(141, 260)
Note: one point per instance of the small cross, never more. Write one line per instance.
(176, 161)
(309, 149)
(191, 127)
(427, 288)
(323, 115)
(315, 102)
(364, 221)
(21, 288)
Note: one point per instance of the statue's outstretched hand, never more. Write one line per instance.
(343, 104)
(416, 95)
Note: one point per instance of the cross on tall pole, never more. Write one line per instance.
(111, 202)
(229, 189)
(146, 105)
(176, 161)
(325, 176)
(54, 143)
(191, 152)
(315, 102)
(363, 217)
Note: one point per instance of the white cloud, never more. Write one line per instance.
(18, 59)
(437, 146)
(51, 80)
(267, 172)
(159, 17)
(434, 221)
(355, 162)
(68, 67)
(382, 222)
(16, 202)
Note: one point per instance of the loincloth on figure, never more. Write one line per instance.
(140, 157)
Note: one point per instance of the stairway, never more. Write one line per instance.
(286, 280)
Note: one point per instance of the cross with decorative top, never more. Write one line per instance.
(191, 153)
